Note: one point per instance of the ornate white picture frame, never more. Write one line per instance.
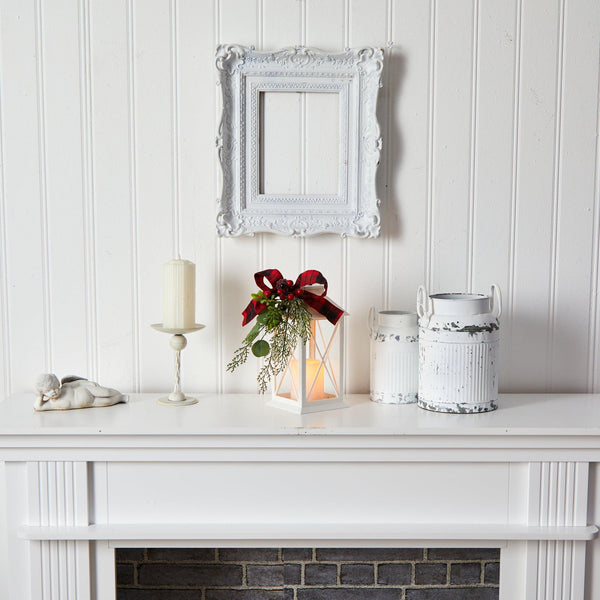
(355, 75)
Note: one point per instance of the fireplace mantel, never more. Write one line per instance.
(231, 471)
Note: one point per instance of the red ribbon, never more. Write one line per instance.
(286, 289)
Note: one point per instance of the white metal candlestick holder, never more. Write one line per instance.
(178, 342)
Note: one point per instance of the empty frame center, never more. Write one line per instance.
(299, 140)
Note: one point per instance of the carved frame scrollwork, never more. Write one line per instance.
(355, 75)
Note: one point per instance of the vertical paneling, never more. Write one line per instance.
(325, 29)
(4, 311)
(152, 97)
(239, 257)
(281, 156)
(492, 175)
(594, 341)
(88, 193)
(405, 148)
(575, 161)
(451, 143)
(59, 494)
(365, 267)
(321, 144)
(66, 151)
(557, 498)
(534, 174)
(282, 26)
(24, 217)
(175, 126)
(195, 39)
(489, 173)
(112, 164)
(133, 202)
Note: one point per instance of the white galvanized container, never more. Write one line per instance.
(394, 356)
(458, 351)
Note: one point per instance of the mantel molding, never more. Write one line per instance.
(243, 428)
(317, 533)
(191, 449)
(517, 479)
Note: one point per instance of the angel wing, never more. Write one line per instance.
(101, 392)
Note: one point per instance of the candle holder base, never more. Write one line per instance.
(187, 400)
(178, 343)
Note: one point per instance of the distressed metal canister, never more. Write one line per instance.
(458, 351)
(394, 356)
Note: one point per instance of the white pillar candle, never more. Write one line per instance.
(179, 294)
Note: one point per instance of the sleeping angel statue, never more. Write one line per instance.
(72, 392)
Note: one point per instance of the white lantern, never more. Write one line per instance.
(314, 377)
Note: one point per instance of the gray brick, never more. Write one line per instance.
(245, 595)
(123, 554)
(291, 574)
(463, 554)
(264, 575)
(491, 572)
(453, 594)
(291, 554)
(430, 573)
(189, 575)
(369, 554)
(318, 574)
(273, 575)
(357, 574)
(125, 573)
(349, 594)
(251, 554)
(463, 573)
(182, 572)
(182, 554)
(393, 574)
(137, 594)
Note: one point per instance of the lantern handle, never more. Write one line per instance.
(496, 300)
(423, 306)
(371, 319)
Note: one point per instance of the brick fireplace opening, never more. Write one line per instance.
(307, 573)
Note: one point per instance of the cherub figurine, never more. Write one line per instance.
(72, 392)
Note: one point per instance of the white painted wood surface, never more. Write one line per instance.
(368, 533)
(489, 173)
(59, 497)
(518, 478)
(237, 428)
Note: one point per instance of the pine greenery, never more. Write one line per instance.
(285, 323)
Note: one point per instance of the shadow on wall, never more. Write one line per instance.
(394, 68)
(537, 358)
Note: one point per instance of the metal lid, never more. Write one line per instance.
(460, 304)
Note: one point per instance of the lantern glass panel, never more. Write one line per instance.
(313, 376)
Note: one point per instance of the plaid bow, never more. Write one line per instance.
(274, 277)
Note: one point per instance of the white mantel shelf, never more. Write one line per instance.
(231, 471)
(526, 425)
(238, 414)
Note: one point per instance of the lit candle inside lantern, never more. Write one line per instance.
(312, 375)
(179, 294)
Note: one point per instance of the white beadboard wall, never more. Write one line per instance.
(490, 173)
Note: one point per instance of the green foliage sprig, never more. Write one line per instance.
(274, 336)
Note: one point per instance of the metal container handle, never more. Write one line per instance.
(423, 306)
(371, 319)
(496, 300)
